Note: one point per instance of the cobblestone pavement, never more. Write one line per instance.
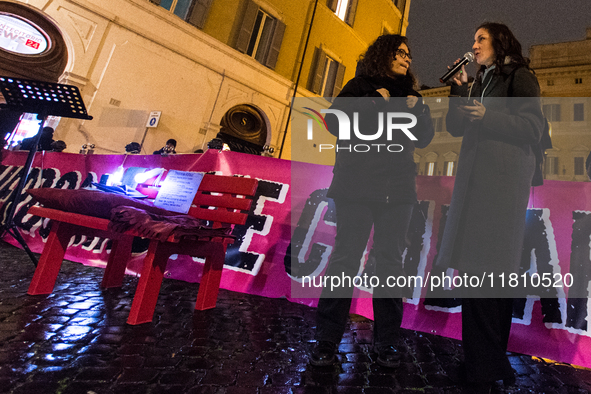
(76, 341)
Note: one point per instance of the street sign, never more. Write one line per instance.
(153, 119)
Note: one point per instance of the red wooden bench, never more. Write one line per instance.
(221, 200)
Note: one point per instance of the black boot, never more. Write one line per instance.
(477, 388)
(509, 381)
(388, 356)
(324, 354)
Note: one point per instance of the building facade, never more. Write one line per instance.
(564, 74)
(208, 66)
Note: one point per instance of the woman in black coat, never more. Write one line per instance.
(373, 185)
(501, 123)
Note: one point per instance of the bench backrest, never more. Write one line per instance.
(223, 199)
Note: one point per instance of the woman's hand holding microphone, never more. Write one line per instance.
(460, 77)
(472, 112)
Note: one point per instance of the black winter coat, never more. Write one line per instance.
(377, 175)
(485, 223)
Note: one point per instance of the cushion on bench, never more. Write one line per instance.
(150, 225)
(90, 202)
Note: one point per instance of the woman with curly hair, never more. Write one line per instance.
(372, 186)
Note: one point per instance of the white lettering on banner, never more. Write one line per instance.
(268, 223)
(246, 254)
(305, 256)
(550, 243)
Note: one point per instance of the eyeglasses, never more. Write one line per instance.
(403, 54)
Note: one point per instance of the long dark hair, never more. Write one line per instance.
(504, 44)
(377, 60)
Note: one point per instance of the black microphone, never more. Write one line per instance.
(468, 57)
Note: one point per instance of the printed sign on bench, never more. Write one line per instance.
(178, 191)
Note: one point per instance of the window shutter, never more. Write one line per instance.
(579, 114)
(554, 167)
(248, 21)
(351, 10)
(317, 71)
(579, 166)
(273, 52)
(338, 82)
(332, 4)
(198, 14)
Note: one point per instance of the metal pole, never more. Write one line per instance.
(295, 89)
(143, 139)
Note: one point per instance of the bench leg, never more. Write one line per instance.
(118, 259)
(148, 287)
(51, 259)
(209, 286)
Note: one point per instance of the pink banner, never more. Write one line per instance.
(291, 219)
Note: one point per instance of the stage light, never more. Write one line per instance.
(115, 179)
(144, 176)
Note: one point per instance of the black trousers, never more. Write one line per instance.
(354, 223)
(486, 324)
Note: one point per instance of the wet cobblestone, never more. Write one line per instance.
(76, 341)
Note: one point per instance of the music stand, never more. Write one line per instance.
(44, 99)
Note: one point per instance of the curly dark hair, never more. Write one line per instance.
(504, 44)
(377, 60)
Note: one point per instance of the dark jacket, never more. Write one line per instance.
(486, 220)
(377, 176)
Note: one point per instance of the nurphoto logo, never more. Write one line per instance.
(344, 133)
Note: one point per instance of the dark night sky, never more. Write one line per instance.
(441, 31)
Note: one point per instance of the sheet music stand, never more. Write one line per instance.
(44, 99)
